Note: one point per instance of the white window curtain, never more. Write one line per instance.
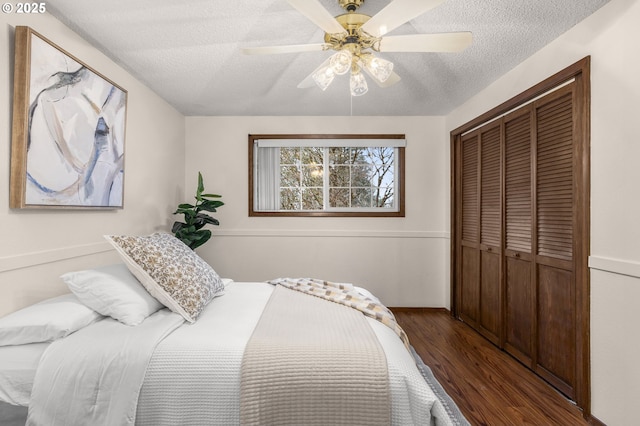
(268, 178)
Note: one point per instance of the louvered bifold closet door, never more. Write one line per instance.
(519, 304)
(469, 284)
(520, 228)
(556, 328)
(490, 231)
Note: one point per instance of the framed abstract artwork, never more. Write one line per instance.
(68, 133)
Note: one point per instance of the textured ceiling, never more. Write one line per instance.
(188, 51)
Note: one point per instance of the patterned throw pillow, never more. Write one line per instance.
(170, 271)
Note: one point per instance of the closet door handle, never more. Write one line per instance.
(517, 255)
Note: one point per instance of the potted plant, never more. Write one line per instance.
(190, 231)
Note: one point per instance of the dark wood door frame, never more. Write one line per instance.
(580, 72)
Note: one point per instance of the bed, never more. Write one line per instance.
(151, 365)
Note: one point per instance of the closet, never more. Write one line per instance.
(520, 191)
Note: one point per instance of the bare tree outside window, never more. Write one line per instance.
(301, 178)
(361, 177)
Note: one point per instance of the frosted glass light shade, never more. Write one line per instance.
(323, 77)
(357, 83)
(341, 62)
(380, 68)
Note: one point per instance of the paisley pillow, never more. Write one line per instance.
(170, 271)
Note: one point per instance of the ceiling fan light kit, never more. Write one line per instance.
(352, 47)
(341, 62)
(357, 83)
(323, 76)
(354, 36)
(381, 69)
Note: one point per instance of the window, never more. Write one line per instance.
(326, 175)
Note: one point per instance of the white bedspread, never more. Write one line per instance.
(194, 373)
(93, 376)
(18, 365)
(192, 376)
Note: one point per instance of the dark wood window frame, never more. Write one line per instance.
(580, 72)
(400, 163)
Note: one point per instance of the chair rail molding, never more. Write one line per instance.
(25, 260)
(615, 266)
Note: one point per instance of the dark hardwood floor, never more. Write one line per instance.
(488, 385)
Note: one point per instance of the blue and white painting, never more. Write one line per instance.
(75, 146)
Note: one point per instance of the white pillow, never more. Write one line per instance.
(46, 321)
(113, 291)
(172, 272)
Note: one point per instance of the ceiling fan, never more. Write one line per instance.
(356, 36)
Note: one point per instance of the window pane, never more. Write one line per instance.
(289, 199)
(382, 178)
(312, 155)
(383, 197)
(339, 155)
(312, 175)
(289, 155)
(360, 175)
(312, 199)
(366, 180)
(361, 197)
(359, 155)
(289, 176)
(339, 176)
(381, 155)
(339, 197)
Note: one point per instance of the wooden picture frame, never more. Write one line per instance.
(68, 131)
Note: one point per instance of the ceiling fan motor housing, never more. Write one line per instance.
(355, 40)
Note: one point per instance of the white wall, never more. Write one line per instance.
(36, 246)
(405, 261)
(610, 37)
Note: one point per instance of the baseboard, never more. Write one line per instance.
(595, 421)
(331, 233)
(418, 309)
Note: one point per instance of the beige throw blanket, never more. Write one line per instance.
(310, 362)
(346, 294)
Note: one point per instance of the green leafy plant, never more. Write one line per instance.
(190, 231)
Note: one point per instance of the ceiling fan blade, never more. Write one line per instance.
(443, 42)
(317, 14)
(308, 81)
(395, 14)
(393, 79)
(292, 48)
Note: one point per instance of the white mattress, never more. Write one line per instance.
(19, 364)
